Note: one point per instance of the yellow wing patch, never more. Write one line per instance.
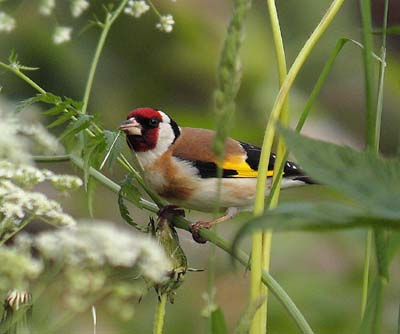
(243, 169)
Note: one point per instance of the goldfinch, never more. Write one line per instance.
(179, 164)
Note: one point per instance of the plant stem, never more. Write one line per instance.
(368, 73)
(110, 19)
(382, 67)
(367, 261)
(160, 315)
(277, 177)
(268, 140)
(18, 73)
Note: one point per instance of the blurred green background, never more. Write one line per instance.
(141, 66)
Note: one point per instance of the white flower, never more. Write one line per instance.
(16, 203)
(136, 8)
(166, 23)
(78, 7)
(62, 34)
(7, 23)
(45, 141)
(97, 244)
(46, 7)
(66, 182)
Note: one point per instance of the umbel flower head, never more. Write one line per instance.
(7, 23)
(99, 260)
(166, 23)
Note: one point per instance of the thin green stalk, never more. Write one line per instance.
(368, 73)
(382, 67)
(270, 133)
(21, 75)
(284, 118)
(160, 315)
(280, 100)
(106, 26)
(367, 262)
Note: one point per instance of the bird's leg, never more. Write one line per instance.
(195, 227)
(168, 211)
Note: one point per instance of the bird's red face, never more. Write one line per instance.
(147, 128)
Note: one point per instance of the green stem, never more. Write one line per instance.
(280, 100)
(18, 73)
(51, 158)
(368, 73)
(160, 315)
(382, 67)
(367, 261)
(277, 177)
(106, 26)
(269, 135)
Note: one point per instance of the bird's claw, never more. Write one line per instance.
(169, 211)
(195, 230)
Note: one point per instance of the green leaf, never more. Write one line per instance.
(62, 119)
(218, 324)
(115, 144)
(91, 155)
(57, 109)
(313, 216)
(25, 103)
(370, 180)
(82, 122)
(129, 191)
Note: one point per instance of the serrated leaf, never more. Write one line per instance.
(60, 120)
(115, 144)
(218, 324)
(57, 109)
(129, 191)
(370, 180)
(82, 122)
(91, 155)
(312, 216)
(75, 104)
(25, 103)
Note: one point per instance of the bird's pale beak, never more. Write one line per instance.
(131, 127)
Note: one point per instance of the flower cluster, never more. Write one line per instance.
(18, 205)
(43, 141)
(100, 261)
(166, 23)
(78, 7)
(17, 269)
(27, 176)
(46, 7)
(136, 8)
(62, 34)
(7, 23)
(16, 137)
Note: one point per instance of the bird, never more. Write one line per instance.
(180, 165)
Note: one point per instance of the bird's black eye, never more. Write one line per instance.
(153, 122)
